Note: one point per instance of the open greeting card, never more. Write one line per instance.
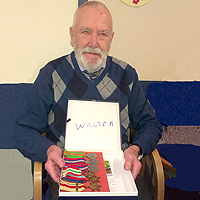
(93, 157)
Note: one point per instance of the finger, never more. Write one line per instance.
(53, 169)
(127, 164)
(56, 157)
(131, 162)
(54, 162)
(129, 157)
(136, 168)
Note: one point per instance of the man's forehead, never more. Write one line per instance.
(92, 12)
(97, 9)
(89, 16)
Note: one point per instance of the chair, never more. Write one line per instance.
(153, 174)
(177, 108)
(37, 182)
(151, 165)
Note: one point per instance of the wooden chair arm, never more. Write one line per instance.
(37, 182)
(154, 163)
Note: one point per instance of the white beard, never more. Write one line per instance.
(90, 67)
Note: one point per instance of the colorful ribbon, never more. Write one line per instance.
(71, 187)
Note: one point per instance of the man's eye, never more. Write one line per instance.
(103, 34)
(85, 32)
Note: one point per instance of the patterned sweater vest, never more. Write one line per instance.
(114, 85)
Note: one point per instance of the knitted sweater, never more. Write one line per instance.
(61, 79)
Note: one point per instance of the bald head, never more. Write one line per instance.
(95, 5)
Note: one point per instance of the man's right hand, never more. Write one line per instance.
(54, 162)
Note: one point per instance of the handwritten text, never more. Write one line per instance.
(93, 125)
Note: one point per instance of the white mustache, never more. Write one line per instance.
(92, 50)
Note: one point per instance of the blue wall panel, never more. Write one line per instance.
(80, 2)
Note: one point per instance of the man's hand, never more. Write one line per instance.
(54, 162)
(131, 160)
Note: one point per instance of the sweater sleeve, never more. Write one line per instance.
(32, 122)
(143, 119)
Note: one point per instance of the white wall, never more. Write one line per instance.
(160, 39)
(32, 33)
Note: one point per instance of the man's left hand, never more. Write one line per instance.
(131, 160)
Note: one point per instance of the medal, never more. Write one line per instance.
(92, 155)
(93, 161)
(93, 168)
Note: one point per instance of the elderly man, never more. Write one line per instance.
(86, 73)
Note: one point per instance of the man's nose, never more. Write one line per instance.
(93, 40)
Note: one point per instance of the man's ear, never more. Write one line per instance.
(112, 36)
(111, 40)
(71, 36)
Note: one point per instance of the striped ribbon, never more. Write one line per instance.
(76, 179)
(70, 170)
(72, 175)
(83, 168)
(71, 187)
(74, 160)
(74, 154)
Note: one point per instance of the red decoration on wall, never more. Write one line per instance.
(136, 1)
